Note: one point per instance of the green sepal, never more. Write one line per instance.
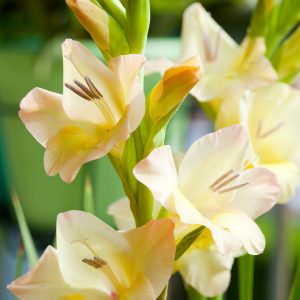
(286, 60)
(187, 241)
(138, 21)
(114, 8)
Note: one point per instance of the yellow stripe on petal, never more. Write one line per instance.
(69, 149)
(73, 297)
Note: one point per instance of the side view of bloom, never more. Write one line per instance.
(95, 262)
(100, 106)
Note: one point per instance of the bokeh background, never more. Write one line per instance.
(31, 32)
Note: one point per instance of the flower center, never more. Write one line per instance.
(89, 92)
(261, 135)
(220, 185)
(99, 263)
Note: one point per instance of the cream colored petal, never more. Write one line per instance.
(82, 236)
(158, 65)
(158, 172)
(251, 67)
(211, 87)
(127, 68)
(73, 146)
(120, 211)
(140, 289)
(188, 214)
(243, 228)
(260, 195)
(288, 175)
(202, 35)
(80, 63)
(155, 257)
(45, 282)
(229, 111)
(207, 160)
(273, 122)
(206, 270)
(43, 115)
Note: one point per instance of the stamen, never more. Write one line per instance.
(79, 93)
(220, 179)
(224, 183)
(95, 262)
(232, 188)
(92, 87)
(261, 135)
(85, 89)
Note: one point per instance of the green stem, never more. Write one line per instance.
(245, 271)
(295, 290)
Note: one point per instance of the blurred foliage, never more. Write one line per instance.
(45, 19)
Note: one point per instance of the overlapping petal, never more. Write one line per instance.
(93, 261)
(209, 188)
(100, 107)
(206, 270)
(46, 282)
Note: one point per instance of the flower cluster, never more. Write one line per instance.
(191, 214)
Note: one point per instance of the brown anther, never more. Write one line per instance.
(220, 179)
(95, 262)
(232, 188)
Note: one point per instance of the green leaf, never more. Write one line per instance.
(245, 273)
(187, 241)
(25, 233)
(88, 197)
(20, 260)
(295, 289)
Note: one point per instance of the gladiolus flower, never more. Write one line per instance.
(202, 266)
(228, 69)
(94, 262)
(214, 187)
(271, 115)
(100, 106)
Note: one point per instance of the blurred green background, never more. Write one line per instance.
(31, 32)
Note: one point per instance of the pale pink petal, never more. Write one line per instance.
(45, 282)
(260, 195)
(141, 288)
(83, 236)
(242, 227)
(153, 246)
(158, 172)
(120, 211)
(127, 68)
(43, 115)
(206, 270)
(288, 175)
